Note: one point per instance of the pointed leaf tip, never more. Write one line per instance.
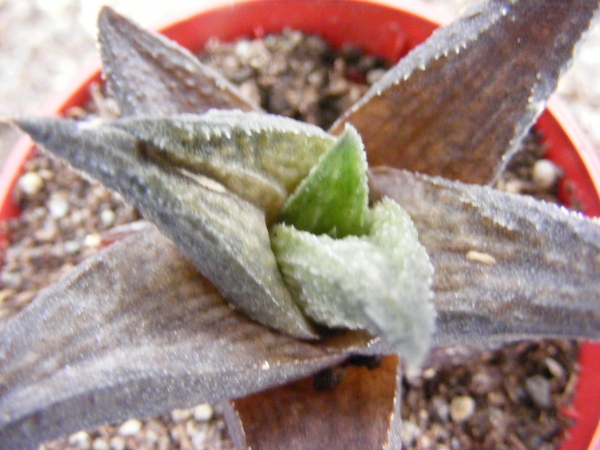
(151, 75)
(459, 104)
(225, 236)
(334, 196)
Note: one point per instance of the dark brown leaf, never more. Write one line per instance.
(134, 332)
(362, 412)
(148, 74)
(506, 266)
(458, 105)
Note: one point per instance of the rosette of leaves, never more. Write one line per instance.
(271, 260)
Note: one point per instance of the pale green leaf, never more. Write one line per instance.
(261, 158)
(334, 197)
(380, 282)
(225, 236)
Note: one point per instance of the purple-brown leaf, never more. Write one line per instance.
(362, 412)
(459, 104)
(506, 266)
(135, 332)
(148, 74)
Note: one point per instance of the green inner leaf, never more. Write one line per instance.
(380, 282)
(348, 266)
(333, 198)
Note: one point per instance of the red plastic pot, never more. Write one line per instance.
(388, 30)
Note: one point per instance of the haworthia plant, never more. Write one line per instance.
(204, 199)
(456, 106)
(375, 275)
(227, 170)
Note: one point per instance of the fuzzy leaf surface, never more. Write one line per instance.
(225, 236)
(507, 267)
(261, 158)
(363, 412)
(334, 197)
(380, 282)
(149, 74)
(459, 104)
(81, 355)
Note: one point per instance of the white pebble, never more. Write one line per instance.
(198, 437)
(178, 432)
(373, 76)
(11, 279)
(242, 49)
(461, 408)
(30, 183)
(92, 240)
(164, 442)
(539, 390)
(180, 415)
(203, 412)
(46, 174)
(545, 173)
(151, 436)
(71, 247)
(108, 217)
(80, 440)
(58, 207)
(100, 444)
(425, 442)
(251, 90)
(441, 408)
(118, 443)
(514, 186)
(555, 368)
(410, 433)
(77, 217)
(47, 232)
(130, 428)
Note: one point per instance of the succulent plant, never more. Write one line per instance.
(274, 255)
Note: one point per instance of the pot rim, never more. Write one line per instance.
(586, 431)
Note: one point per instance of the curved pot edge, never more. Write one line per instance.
(59, 103)
(585, 431)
